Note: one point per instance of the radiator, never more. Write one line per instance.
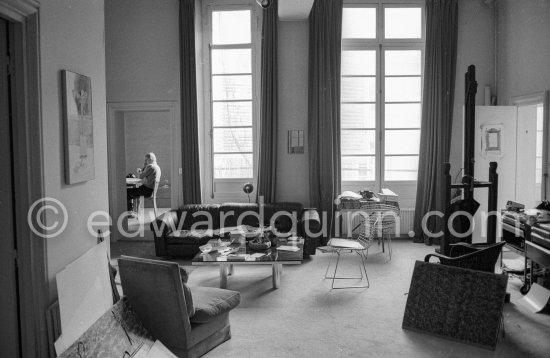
(53, 321)
(406, 223)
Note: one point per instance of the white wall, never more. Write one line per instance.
(475, 47)
(143, 65)
(524, 48)
(506, 117)
(142, 47)
(292, 169)
(523, 55)
(71, 37)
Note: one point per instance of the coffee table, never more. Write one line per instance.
(242, 255)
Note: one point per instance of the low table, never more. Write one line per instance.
(242, 255)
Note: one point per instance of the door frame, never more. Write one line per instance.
(117, 189)
(23, 17)
(533, 99)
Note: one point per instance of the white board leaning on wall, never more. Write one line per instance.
(85, 294)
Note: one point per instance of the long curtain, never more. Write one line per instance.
(437, 111)
(189, 117)
(325, 33)
(268, 118)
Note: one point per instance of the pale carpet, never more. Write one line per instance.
(305, 318)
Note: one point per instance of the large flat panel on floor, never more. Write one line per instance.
(456, 303)
(85, 294)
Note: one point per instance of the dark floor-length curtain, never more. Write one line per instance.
(437, 111)
(325, 32)
(189, 118)
(268, 118)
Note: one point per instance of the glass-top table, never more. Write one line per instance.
(226, 253)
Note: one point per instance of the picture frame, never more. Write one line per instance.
(491, 140)
(78, 127)
(296, 141)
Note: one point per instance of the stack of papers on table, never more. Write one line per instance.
(197, 233)
(350, 195)
(253, 257)
(288, 248)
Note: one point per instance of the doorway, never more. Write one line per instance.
(137, 128)
(531, 148)
(10, 333)
(146, 132)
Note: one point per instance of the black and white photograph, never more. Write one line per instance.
(275, 178)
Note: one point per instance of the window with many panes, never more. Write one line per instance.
(381, 87)
(231, 113)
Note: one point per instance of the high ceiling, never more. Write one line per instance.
(292, 10)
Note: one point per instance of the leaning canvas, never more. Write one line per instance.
(456, 303)
(78, 127)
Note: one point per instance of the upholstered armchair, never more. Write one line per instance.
(189, 321)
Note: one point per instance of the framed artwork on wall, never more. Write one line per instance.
(78, 127)
(491, 140)
(296, 142)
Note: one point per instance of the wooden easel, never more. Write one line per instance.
(469, 184)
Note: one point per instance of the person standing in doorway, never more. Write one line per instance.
(149, 175)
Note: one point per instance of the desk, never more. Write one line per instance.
(529, 238)
(133, 182)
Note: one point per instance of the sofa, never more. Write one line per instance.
(181, 232)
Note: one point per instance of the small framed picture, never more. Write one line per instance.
(296, 142)
(491, 140)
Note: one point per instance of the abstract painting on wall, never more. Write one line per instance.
(78, 127)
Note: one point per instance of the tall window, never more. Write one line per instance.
(539, 146)
(382, 52)
(232, 113)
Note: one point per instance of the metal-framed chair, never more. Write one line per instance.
(359, 244)
(388, 216)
